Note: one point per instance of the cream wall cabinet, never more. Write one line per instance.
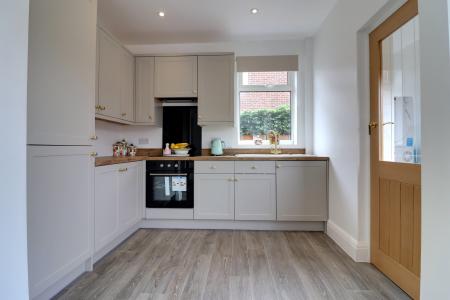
(176, 77)
(302, 191)
(127, 72)
(115, 82)
(216, 90)
(148, 111)
(61, 73)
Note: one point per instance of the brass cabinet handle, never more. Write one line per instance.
(124, 114)
(277, 166)
(94, 137)
(93, 154)
(230, 179)
(97, 107)
(102, 107)
(123, 170)
(236, 180)
(254, 168)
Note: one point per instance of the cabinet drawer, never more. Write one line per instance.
(214, 167)
(255, 167)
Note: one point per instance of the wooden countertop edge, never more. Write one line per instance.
(110, 160)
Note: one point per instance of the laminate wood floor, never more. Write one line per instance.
(220, 264)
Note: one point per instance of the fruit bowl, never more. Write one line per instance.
(184, 151)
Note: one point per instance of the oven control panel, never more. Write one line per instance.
(173, 166)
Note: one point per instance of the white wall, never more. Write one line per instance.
(435, 77)
(13, 101)
(339, 116)
(228, 134)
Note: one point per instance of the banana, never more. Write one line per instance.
(179, 146)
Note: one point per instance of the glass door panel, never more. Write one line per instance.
(400, 96)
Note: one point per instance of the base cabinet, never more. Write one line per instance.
(118, 201)
(255, 197)
(59, 211)
(302, 191)
(214, 197)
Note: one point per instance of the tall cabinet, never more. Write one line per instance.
(61, 101)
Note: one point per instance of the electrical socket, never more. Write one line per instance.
(143, 141)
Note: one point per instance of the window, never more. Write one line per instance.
(267, 101)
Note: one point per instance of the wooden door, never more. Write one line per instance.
(255, 197)
(176, 77)
(214, 197)
(216, 90)
(302, 191)
(395, 149)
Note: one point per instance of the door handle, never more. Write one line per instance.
(372, 126)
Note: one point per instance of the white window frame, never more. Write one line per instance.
(290, 87)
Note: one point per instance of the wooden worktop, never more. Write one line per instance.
(110, 160)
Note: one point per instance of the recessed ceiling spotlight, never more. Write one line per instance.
(161, 14)
(254, 11)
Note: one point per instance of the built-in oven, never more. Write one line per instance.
(170, 184)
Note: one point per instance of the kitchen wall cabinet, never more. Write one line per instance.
(60, 213)
(216, 90)
(61, 73)
(255, 197)
(115, 82)
(176, 77)
(302, 191)
(118, 201)
(127, 68)
(214, 196)
(148, 111)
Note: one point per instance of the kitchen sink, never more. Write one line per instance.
(269, 155)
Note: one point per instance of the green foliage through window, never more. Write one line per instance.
(260, 122)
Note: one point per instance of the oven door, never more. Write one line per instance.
(170, 190)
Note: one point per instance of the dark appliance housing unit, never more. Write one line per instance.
(180, 126)
(161, 191)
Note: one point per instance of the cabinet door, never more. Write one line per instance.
(302, 191)
(106, 205)
(147, 112)
(255, 197)
(61, 73)
(129, 191)
(127, 86)
(109, 76)
(176, 77)
(214, 197)
(60, 212)
(216, 90)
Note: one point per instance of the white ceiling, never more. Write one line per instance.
(195, 21)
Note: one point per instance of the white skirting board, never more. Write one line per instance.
(234, 225)
(358, 251)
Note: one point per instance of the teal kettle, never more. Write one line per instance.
(217, 146)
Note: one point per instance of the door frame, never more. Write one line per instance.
(405, 13)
